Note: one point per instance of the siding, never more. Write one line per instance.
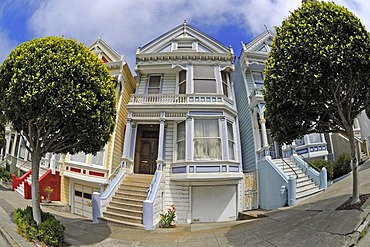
(64, 190)
(169, 83)
(245, 120)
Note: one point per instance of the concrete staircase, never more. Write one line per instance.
(126, 207)
(20, 188)
(305, 185)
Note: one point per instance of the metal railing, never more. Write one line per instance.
(289, 167)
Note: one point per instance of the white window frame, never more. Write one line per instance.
(195, 119)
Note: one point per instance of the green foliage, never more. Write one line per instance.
(50, 231)
(317, 74)
(168, 217)
(59, 94)
(329, 165)
(342, 165)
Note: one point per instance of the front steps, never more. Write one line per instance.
(305, 185)
(20, 188)
(126, 207)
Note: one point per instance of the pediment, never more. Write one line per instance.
(184, 38)
(260, 44)
(104, 51)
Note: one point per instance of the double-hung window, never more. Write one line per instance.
(154, 84)
(181, 141)
(231, 141)
(207, 141)
(225, 84)
(258, 78)
(182, 82)
(204, 79)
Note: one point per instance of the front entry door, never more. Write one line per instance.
(146, 150)
(148, 156)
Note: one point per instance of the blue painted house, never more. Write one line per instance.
(283, 176)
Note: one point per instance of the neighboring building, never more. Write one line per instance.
(260, 154)
(182, 124)
(83, 174)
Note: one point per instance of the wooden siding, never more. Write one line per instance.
(168, 143)
(245, 120)
(64, 189)
(129, 87)
(169, 83)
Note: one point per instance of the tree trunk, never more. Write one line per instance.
(354, 163)
(36, 209)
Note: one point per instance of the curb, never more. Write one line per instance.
(7, 237)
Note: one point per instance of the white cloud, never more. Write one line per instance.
(6, 45)
(127, 24)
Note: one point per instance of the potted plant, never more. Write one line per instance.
(48, 190)
(168, 217)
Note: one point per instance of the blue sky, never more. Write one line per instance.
(128, 24)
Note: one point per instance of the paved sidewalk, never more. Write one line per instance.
(313, 222)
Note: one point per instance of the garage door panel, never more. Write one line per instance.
(214, 203)
(227, 199)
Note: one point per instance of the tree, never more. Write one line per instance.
(317, 75)
(61, 98)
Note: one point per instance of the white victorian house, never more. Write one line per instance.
(181, 133)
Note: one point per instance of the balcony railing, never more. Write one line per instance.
(178, 99)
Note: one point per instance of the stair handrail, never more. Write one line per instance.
(308, 163)
(152, 192)
(19, 167)
(111, 178)
(296, 175)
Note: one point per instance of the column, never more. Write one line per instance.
(160, 158)
(189, 139)
(225, 154)
(53, 164)
(126, 145)
(264, 132)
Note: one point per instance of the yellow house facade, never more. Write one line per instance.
(83, 174)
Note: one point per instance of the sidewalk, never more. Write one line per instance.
(313, 222)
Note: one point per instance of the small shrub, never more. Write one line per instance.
(168, 217)
(329, 165)
(5, 175)
(50, 231)
(342, 165)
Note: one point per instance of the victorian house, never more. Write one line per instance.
(282, 172)
(75, 178)
(181, 134)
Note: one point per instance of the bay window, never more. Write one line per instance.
(207, 141)
(258, 78)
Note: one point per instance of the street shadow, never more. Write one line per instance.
(81, 231)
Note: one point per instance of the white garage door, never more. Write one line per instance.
(214, 203)
(83, 200)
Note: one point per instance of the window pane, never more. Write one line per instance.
(182, 82)
(98, 158)
(207, 143)
(231, 143)
(314, 138)
(79, 157)
(181, 140)
(204, 72)
(204, 86)
(154, 84)
(258, 78)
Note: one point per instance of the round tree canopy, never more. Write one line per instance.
(317, 73)
(59, 94)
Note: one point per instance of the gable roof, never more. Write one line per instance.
(184, 34)
(104, 51)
